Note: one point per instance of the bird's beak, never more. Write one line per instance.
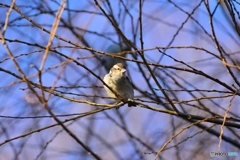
(123, 70)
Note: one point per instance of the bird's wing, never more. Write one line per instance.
(129, 80)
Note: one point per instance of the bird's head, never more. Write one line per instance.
(118, 70)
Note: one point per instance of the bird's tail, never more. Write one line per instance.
(132, 104)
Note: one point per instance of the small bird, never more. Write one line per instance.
(117, 80)
(108, 61)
